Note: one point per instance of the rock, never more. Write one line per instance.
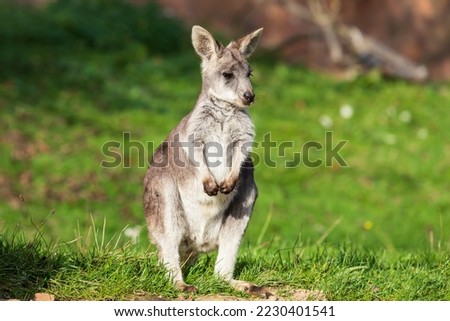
(44, 297)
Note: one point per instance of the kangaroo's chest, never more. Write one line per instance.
(214, 146)
(219, 146)
(218, 154)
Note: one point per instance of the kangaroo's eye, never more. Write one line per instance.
(227, 75)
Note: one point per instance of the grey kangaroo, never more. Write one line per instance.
(199, 190)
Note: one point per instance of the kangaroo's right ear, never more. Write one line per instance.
(204, 43)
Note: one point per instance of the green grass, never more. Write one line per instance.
(393, 194)
(377, 229)
(104, 271)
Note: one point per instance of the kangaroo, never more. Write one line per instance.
(199, 190)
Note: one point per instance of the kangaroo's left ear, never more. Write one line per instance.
(247, 44)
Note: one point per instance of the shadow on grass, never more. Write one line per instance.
(26, 267)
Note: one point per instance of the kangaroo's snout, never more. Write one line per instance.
(249, 97)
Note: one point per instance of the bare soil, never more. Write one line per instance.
(259, 294)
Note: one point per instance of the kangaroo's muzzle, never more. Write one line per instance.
(249, 97)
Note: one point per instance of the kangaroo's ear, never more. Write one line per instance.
(246, 45)
(204, 43)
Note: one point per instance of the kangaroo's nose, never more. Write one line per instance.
(249, 97)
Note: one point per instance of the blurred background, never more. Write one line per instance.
(75, 75)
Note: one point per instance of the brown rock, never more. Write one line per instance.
(44, 297)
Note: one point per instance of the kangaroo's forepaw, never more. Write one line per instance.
(210, 187)
(228, 185)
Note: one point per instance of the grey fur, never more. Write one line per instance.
(195, 199)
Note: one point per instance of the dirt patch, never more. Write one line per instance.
(259, 294)
(307, 295)
(269, 294)
(23, 148)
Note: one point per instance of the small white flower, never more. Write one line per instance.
(422, 133)
(405, 116)
(326, 121)
(133, 233)
(390, 139)
(346, 111)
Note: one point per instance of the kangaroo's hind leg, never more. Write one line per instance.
(164, 214)
(234, 226)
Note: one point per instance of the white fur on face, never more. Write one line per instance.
(228, 90)
(223, 93)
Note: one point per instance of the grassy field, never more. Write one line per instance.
(106, 271)
(377, 228)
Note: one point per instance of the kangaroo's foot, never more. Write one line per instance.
(251, 288)
(183, 287)
(244, 286)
